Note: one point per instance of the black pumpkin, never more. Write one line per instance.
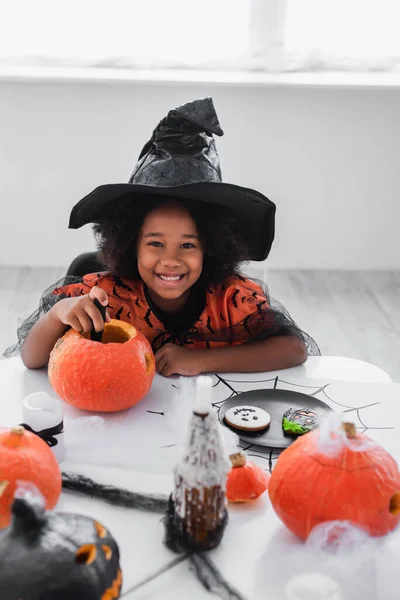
(44, 556)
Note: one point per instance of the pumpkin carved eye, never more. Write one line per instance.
(101, 530)
(107, 552)
(394, 506)
(149, 362)
(86, 554)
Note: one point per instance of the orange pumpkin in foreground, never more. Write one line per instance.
(105, 376)
(26, 458)
(246, 481)
(308, 487)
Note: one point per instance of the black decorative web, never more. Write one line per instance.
(205, 571)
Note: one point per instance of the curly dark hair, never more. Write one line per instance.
(118, 229)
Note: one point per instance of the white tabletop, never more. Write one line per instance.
(140, 535)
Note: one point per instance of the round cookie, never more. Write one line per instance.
(300, 421)
(247, 418)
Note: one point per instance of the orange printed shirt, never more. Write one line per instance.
(230, 314)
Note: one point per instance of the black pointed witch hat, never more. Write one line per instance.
(181, 161)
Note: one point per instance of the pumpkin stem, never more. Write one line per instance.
(350, 430)
(19, 430)
(29, 516)
(238, 459)
(15, 439)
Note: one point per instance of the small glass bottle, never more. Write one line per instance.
(197, 513)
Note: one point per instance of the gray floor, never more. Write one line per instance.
(355, 314)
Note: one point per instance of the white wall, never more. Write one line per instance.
(329, 158)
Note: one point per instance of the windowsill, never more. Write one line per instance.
(220, 78)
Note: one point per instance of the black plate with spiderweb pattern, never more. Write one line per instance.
(275, 402)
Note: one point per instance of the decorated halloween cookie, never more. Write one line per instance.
(247, 418)
(300, 421)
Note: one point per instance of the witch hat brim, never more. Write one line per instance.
(255, 211)
(181, 161)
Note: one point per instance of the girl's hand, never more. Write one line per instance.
(175, 360)
(80, 313)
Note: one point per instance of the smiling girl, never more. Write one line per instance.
(172, 256)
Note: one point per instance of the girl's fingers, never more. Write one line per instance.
(160, 364)
(167, 371)
(159, 355)
(85, 321)
(75, 323)
(97, 293)
(100, 294)
(164, 367)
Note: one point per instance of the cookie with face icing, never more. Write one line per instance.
(247, 418)
(300, 421)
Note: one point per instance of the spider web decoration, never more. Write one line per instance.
(371, 407)
(226, 387)
(123, 439)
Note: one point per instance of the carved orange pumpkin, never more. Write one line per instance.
(309, 487)
(107, 376)
(26, 457)
(246, 481)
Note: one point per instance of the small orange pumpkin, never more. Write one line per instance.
(25, 457)
(246, 481)
(105, 376)
(362, 486)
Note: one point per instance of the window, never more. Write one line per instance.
(123, 32)
(269, 35)
(344, 34)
